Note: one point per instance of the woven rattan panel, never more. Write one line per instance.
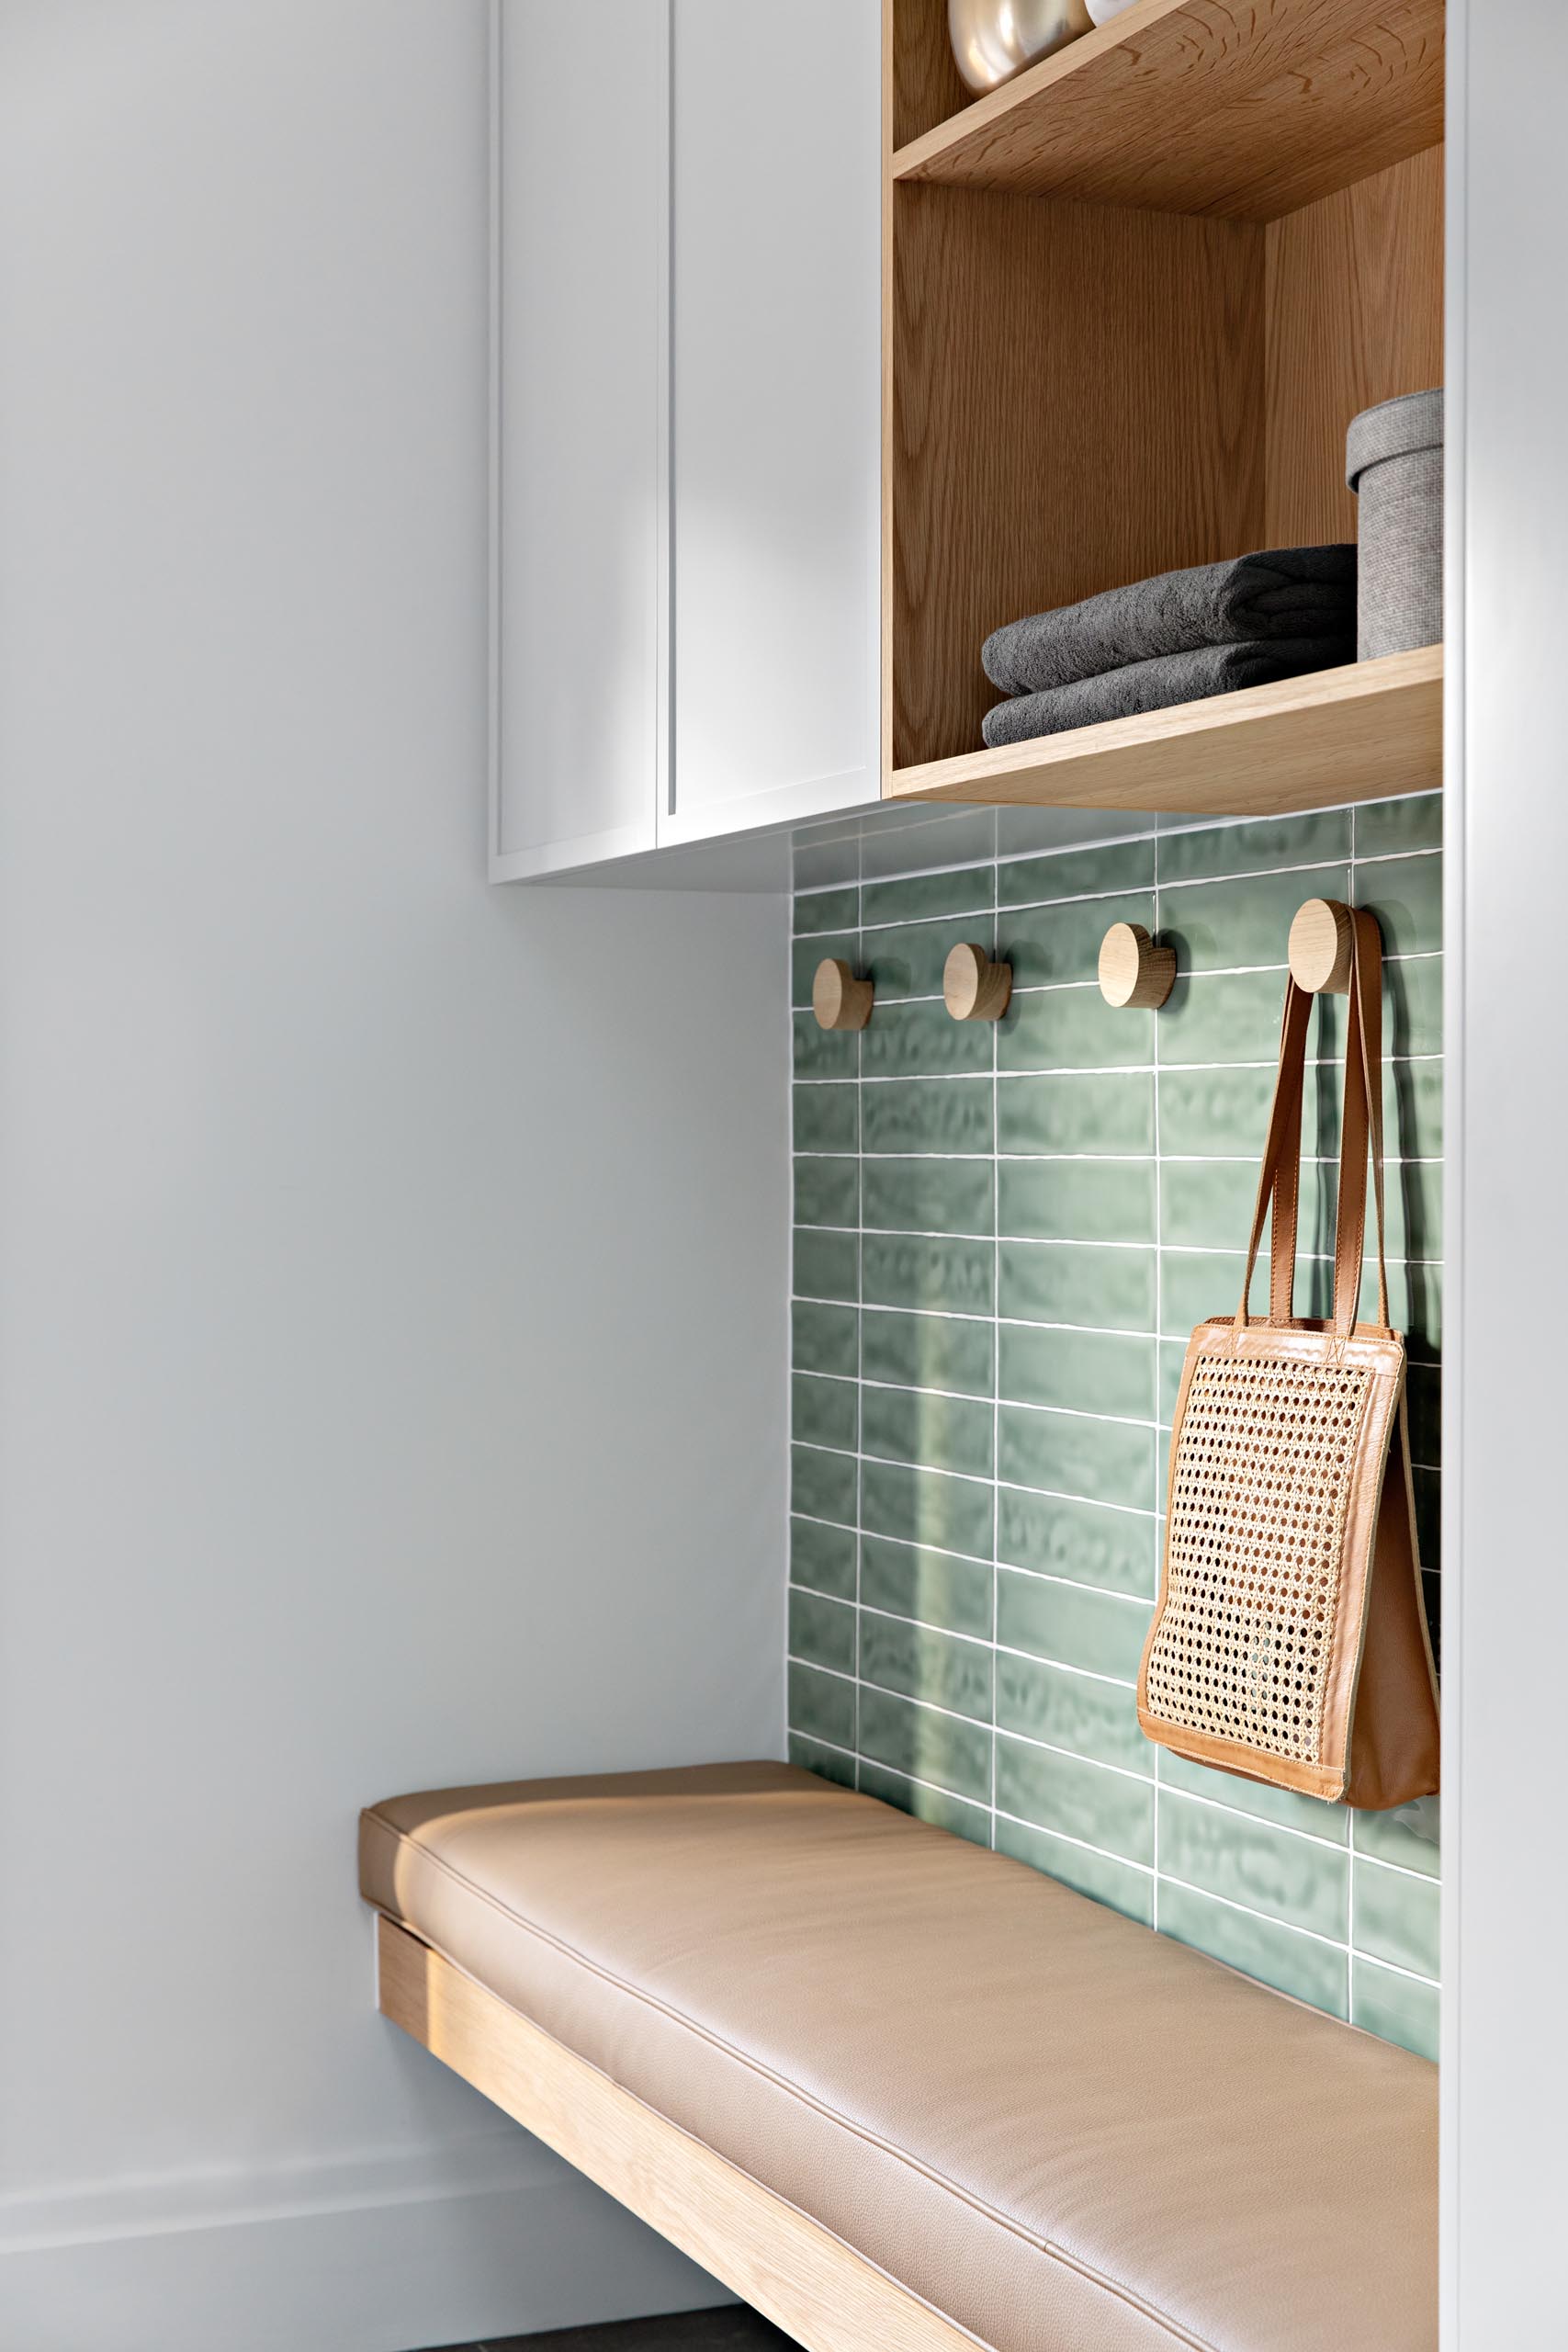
(1258, 1494)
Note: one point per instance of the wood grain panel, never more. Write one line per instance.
(1359, 733)
(1075, 398)
(1355, 315)
(790, 2269)
(926, 87)
(1248, 108)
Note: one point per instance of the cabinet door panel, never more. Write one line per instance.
(775, 461)
(582, 229)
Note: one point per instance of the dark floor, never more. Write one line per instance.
(734, 2329)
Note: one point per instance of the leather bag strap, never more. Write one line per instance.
(1361, 1135)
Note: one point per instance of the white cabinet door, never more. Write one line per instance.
(582, 186)
(775, 411)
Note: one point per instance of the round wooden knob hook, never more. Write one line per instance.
(973, 987)
(1132, 970)
(838, 999)
(1322, 940)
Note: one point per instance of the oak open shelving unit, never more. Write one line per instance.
(1131, 300)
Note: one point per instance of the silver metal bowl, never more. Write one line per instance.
(995, 38)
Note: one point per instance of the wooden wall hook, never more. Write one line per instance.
(1322, 940)
(973, 987)
(838, 999)
(1132, 970)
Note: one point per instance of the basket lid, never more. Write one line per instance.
(1394, 429)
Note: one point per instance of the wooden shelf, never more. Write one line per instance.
(1361, 733)
(1243, 109)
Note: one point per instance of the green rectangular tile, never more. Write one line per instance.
(1072, 1029)
(824, 1412)
(1219, 926)
(1090, 1542)
(907, 959)
(1077, 1112)
(1216, 1112)
(1209, 1203)
(825, 1338)
(925, 1745)
(937, 1432)
(1077, 1799)
(910, 1350)
(827, 1192)
(1101, 1633)
(821, 1706)
(1397, 2008)
(1084, 1372)
(933, 1588)
(824, 1053)
(1077, 1200)
(904, 1270)
(1172, 1363)
(807, 953)
(1048, 946)
(1409, 1835)
(1275, 1954)
(826, 1118)
(938, 1806)
(1384, 828)
(1077, 872)
(1412, 1108)
(1231, 1016)
(1076, 1712)
(821, 1633)
(1415, 1305)
(1118, 1885)
(1321, 837)
(1396, 1916)
(819, 910)
(923, 898)
(1248, 1862)
(1412, 1006)
(923, 1041)
(923, 1664)
(1196, 1284)
(1066, 1454)
(827, 1763)
(823, 1486)
(822, 1557)
(947, 1114)
(930, 1195)
(826, 1265)
(1285, 1807)
(928, 1507)
(1054, 1282)
(1406, 896)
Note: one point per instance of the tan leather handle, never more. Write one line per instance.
(1360, 1135)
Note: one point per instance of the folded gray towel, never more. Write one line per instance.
(1282, 593)
(1158, 686)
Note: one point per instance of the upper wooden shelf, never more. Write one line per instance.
(1243, 109)
(1362, 733)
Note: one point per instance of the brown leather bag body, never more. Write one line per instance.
(1289, 1640)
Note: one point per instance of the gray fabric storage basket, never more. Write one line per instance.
(1393, 461)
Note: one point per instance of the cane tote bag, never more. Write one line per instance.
(1289, 1642)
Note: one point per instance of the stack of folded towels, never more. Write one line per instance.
(1186, 635)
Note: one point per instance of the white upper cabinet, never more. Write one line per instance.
(581, 162)
(775, 454)
(688, 405)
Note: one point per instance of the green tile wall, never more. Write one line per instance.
(1002, 1237)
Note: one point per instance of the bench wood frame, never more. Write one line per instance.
(787, 2265)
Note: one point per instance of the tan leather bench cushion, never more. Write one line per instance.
(1062, 2132)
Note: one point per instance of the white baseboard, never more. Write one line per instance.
(390, 2252)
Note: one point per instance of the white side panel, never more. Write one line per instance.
(582, 231)
(776, 465)
(1505, 1574)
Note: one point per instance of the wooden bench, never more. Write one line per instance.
(901, 2094)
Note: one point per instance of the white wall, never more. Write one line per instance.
(1505, 1582)
(391, 1270)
